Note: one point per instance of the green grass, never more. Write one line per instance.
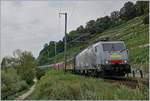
(56, 85)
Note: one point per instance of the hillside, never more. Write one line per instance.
(119, 25)
(134, 33)
(58, 85)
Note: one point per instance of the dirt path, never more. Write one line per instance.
(26, 94)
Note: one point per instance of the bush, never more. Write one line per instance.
(40, 72)
(11, 83)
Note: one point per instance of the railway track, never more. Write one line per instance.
(131, 82)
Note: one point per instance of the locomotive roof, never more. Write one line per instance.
(83, 51)
(108, 42)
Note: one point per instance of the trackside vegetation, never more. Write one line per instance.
(17, 74)
(57, 85)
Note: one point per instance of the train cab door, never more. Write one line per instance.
(97, 55)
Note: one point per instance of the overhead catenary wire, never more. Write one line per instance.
(72, 13)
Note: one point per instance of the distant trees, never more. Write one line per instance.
(45, 45)
(60, 46)
(90, 27)
(128, 11)
(115, 17)
(142, 7)
(80, 29)
(49, 51)
(102, 24)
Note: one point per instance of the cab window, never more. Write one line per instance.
(113, 46)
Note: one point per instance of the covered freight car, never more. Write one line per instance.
(109, 58)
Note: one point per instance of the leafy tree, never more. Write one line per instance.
(26, 69)
(11, 83)
(45, 45)
(142, 7)
(90, 27)
(80, 29)
(73, 34)
(128, 11)
(3, 63)
(60, 46)
(102, 24)
(115, 17)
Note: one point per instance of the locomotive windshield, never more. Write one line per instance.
(113, 46)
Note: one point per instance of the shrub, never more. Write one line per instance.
(11, 83)
(40, 72)
(56, 85)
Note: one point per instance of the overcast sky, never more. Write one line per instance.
(29, 24)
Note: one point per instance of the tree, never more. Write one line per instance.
(60, 46)
(80, 29)
(102, 24)
(142, 7)
(128, 11)
(90, 27)
(115, 17)
(45, 45)
(26, 69)
(3, 63)
(8, 62)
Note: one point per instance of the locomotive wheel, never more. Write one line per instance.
(100, 74)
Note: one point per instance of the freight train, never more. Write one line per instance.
(102, 58)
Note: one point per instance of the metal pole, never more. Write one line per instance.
(65, 40)
(55, 51)
(133, 73)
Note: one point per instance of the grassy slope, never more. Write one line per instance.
(56, 85)
(133, 32)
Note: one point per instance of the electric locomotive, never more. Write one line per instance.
(108, 58)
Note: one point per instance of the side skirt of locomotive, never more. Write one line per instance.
(106, 70)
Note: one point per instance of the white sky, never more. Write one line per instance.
(29, 24)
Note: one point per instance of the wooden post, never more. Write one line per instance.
(141, 73)
(127, 74)
(133, 73)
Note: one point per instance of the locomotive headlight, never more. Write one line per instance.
(106, 62)
(125, 61)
